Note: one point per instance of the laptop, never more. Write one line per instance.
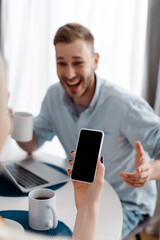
(29, 174)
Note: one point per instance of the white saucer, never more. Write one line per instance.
(14, 224)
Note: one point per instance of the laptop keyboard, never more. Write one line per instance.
(24, 177)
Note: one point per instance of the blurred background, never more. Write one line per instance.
(27, 31)
(126, 37)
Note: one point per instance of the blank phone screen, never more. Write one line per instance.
(87, 155)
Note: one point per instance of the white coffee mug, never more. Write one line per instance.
(42, 209)
(22, 126)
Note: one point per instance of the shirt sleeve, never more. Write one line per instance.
(43, 128)
(140, 123)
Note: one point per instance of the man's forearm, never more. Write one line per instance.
(155, 170)
(29, 146)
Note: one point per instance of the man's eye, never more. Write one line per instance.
(61, 63)
(78, 63)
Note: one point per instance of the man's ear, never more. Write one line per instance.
(96, 60)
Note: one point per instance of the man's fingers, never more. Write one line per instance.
(136, 180)
(140, 155)
(139, 149)
(142, 168)
(127, 175)
(135, 177)
(141, 176)
(140, 183)
(135, 184)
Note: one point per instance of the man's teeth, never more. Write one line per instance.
(73, 84)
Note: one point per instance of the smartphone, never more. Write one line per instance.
(87, 153)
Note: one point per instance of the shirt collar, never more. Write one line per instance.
(96, 94)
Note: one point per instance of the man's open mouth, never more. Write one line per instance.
(72, 85)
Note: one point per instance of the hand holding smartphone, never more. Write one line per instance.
(88, 151)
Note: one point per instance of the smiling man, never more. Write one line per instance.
(82, 99)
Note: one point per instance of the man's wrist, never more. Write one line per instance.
(154, 170)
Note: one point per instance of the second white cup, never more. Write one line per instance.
(22, 126)
(42, 209)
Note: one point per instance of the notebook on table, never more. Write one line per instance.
(29, 174)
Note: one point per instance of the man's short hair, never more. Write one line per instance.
(73, 31)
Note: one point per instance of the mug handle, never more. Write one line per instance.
(55, 219)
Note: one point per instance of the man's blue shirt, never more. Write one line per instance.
(123, 118)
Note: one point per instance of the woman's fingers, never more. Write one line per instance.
(71, 162)
(73, 154)
(69, 171)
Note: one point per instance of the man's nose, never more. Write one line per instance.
(70, 72)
